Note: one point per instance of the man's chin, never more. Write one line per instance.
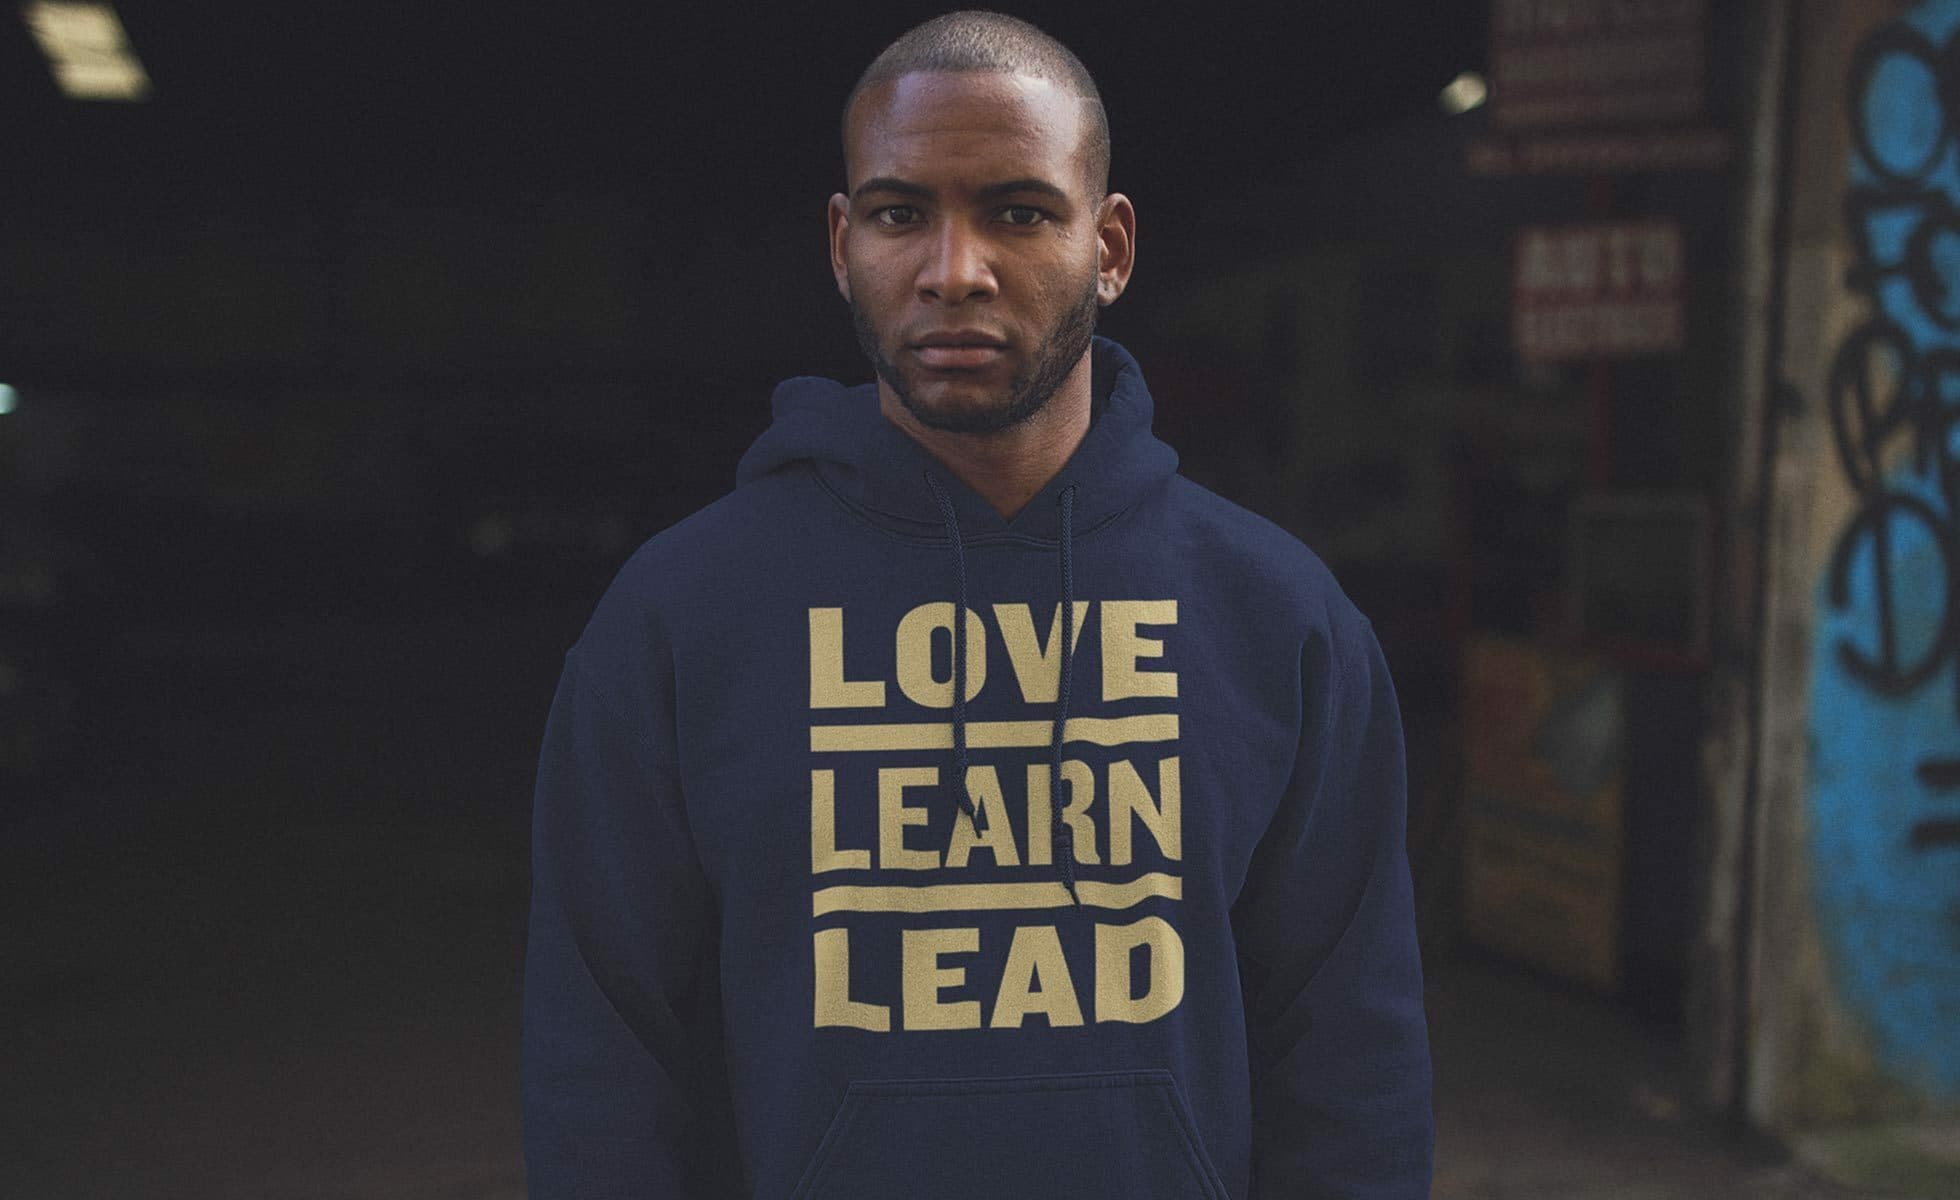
(952, 408)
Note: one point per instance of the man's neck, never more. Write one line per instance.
(1010, 466)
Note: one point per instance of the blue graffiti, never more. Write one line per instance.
(1885, 671)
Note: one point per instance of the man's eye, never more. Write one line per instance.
(895, 214)
(1022, 214)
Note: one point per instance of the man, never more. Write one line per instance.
(968, 805)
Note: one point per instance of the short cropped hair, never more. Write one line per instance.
(973, 40)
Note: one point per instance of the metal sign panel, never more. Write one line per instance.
(1572, 63)
(1699, 149)
(1609, 289)
(1544, 740)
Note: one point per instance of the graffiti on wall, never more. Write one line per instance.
(1885, 702)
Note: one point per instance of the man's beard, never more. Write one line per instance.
(1028, 392)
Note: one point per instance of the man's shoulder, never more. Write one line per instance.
(689, 563)
(1258, 560)
(724, 527)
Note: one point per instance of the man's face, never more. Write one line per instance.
(969, 247)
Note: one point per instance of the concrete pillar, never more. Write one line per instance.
(1830, 964)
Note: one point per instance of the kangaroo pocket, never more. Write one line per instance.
(1093, 1136)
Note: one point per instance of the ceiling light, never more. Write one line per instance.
(87, 50)
(1464, 93)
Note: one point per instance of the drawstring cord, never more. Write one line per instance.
(1063, 833)
(959, 658)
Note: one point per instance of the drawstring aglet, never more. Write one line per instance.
(1065, 835)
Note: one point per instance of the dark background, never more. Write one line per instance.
(352, 363)
(408, 312)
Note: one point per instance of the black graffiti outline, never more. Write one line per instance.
(1904, 41)
(1867, 419)
(1884, 673)
(1862, 427)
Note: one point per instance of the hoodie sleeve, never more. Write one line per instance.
(1327, 949)
(624, 1090)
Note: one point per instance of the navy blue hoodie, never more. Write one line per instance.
(808, 921)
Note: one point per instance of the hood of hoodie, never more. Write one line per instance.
(896, 482)
(879, 469)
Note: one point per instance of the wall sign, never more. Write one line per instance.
(1600, 290)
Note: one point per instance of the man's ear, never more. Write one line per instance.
(1116, 247)
(839, 215)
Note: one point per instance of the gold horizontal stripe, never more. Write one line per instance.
(988, 735)
(958, 897)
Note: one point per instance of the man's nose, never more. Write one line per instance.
(957, 269)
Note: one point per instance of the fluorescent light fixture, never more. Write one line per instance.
(1465, 92)
(87, 50)
(9, 399)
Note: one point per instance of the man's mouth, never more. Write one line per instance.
(957, 357)
(958, 350)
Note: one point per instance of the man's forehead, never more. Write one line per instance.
(926, 117)
(917, 90)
